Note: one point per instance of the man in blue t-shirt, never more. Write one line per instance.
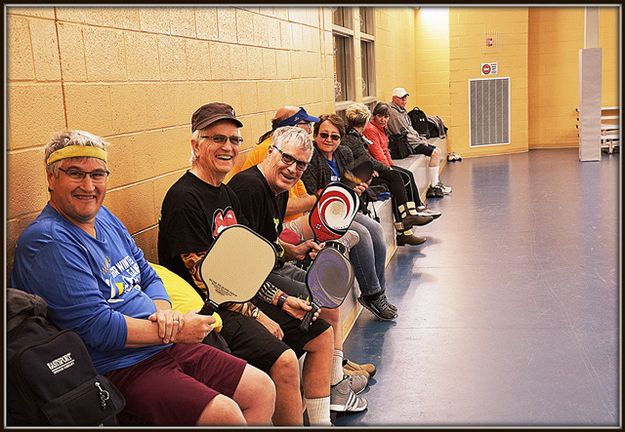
(81, 259)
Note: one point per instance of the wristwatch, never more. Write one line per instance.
(281, 300)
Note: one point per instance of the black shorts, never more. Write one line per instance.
(251, 341)
(425, 149)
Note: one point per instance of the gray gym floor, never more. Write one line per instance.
(509, 313)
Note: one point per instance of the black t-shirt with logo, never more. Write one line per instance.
(192, 215)
(263, 210)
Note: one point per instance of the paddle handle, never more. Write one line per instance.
(307, 320)
(218, 322)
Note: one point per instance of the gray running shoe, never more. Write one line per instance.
(378, 307)
(446, 189)
(343, 398)
(428, 211)
(358, 383)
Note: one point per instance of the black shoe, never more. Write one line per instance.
(408, 238)
(390, 305)
(413, 219)
(435, 192)
(378, 307)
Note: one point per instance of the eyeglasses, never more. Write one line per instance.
(289, 160)
(97, 176)
(221, 139)
(325, 136)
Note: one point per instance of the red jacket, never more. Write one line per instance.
(379, 143)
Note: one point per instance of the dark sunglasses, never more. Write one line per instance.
(325, 136)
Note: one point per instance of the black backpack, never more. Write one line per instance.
(398, 145)
(419, 121)
(51, 379)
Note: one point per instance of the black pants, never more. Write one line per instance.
(402, 185)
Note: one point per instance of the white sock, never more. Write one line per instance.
(433, 175)
(337, 367)
(318, 411)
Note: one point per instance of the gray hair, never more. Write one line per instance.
(195, 136)
(292, 134)
(357, 114)
(70, 138)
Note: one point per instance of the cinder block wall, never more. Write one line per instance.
(135, 76)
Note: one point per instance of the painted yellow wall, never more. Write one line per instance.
(135, 76)
(395, 43)
(467, 51)
(555, 38)
(432, 63)
(609, 42)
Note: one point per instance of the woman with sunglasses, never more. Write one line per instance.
(405, 202)
(329, 161)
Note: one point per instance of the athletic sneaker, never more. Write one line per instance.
(446, 189)
(378, 307)
(368, 368)
(428, 211)
(390, 305)
(435, 192)
(358, 383)
(343, 398)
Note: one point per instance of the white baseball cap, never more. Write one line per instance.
(400, 92)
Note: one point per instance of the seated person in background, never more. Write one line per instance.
(195, 210)
(81, 259)
(376, 132)
(262, 192)
(328, 163)
(399, 122)
(405, 212)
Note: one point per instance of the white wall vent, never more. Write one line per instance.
(489, 111)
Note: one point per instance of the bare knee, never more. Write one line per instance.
(332, 316)
(221, 410)
(323, 342)
(255, 391)
(285, 370)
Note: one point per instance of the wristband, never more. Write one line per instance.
(281, 300)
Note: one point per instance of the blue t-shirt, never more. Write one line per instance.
(89, 283)
(334, 167)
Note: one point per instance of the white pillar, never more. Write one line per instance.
(590, 89)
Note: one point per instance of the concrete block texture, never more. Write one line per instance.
(26, 178)
(21, 65)
(182, 21)
(105, 54)
(133, 205)
(72, 48)
(88, 107)
(30, 103)
(142, 56)
(206, 23)
(32, 11)
(172, 58)
(227, 25)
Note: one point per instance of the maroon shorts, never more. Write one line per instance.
(173, 387)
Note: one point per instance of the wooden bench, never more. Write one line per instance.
(418, 165)
(610, 128)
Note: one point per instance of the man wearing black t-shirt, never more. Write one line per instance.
(263, 193)
(195, 210)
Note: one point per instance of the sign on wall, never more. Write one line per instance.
(488, 69)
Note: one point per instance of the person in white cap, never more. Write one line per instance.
(399, 122)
